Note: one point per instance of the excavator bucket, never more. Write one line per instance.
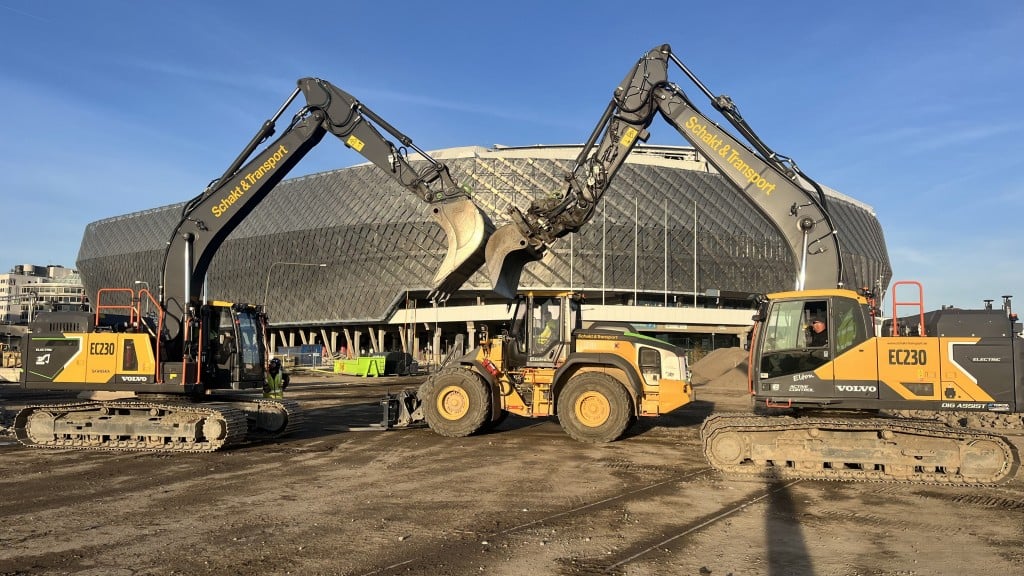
(508, 251)
(467, 230)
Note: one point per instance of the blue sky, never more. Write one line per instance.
(915, 108)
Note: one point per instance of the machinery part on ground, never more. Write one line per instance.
(266, 418)
(847, 448)
(146, 425)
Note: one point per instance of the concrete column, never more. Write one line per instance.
(350, 348)
(371, 346)
(436, 345)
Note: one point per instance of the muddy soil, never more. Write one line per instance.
(343, 498)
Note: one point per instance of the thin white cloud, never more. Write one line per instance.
(23, 13)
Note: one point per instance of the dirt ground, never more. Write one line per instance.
(525, 499)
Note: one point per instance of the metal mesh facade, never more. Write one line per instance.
(380, 245)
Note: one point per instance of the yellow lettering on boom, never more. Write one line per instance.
(248, 181)
(714, 142)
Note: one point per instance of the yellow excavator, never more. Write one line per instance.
(917, 399)
(171, 380)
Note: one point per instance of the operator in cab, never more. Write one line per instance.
(818, 335)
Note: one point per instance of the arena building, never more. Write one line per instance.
(345, 257)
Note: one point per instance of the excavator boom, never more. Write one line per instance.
(791, 201)
(210, 217)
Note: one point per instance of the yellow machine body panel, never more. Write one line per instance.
(924, 369)
(914, 369)
(662, 391)
(671, 394)
(95, 359)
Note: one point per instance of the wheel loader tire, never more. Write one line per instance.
(594, 408)
(456, 402)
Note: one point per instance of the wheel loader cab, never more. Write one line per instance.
(543, 326)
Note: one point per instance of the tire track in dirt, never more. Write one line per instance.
(471, 553)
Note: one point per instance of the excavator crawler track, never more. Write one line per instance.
(267, 418)
(868, 449)
(131, 425)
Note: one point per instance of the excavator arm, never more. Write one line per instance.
(791, 201)
(209, 218)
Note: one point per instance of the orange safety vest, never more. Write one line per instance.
(275, 385)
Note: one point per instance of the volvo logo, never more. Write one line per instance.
(850, 388)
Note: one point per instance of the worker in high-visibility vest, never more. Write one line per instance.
(277, 381)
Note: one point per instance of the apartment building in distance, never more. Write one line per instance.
(27, 289)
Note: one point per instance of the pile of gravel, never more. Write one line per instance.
(723, 369)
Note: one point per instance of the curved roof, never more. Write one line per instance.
(380, 245)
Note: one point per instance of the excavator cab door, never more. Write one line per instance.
(234, 347)
(793, 360)
(221, 347)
